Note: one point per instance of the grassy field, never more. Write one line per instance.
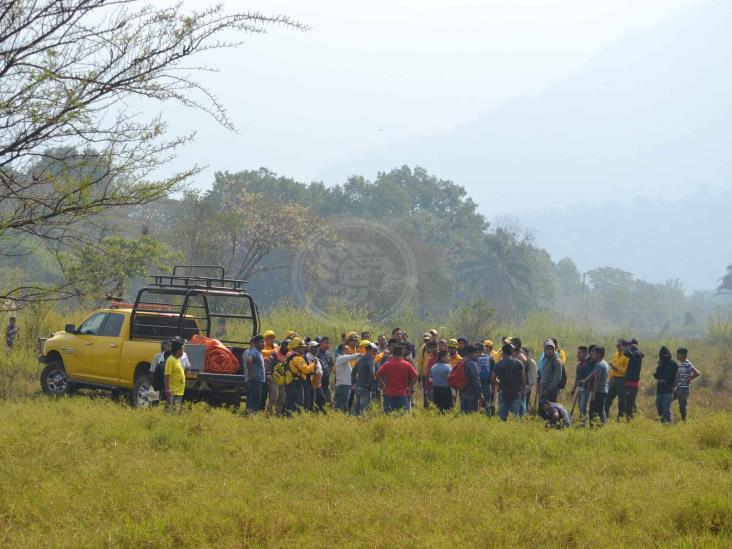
(85, 471)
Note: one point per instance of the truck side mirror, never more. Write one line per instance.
(70, 328)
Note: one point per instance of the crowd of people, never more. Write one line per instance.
(297, 373)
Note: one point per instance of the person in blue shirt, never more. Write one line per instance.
(256, 375)
(441, 392)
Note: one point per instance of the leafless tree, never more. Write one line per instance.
(70, 147)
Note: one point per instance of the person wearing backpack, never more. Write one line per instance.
(470, 392)
(300, 369)
(441, 392)
(510, 377)
(276, 377)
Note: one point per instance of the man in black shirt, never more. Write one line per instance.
(510, 376)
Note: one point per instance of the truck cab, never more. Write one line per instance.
(113, 348)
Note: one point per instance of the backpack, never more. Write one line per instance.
(457, 378)
(485, 369)
(281, 372)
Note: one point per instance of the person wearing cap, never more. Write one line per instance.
(256, 374)
(316, 379)
(452, 348)
(270, 345)
(300, 369)
(552, 376)
(423, 359)
(342, 396)
(497, 354)
(311, 384)
(363, 378)
(616, 380)
(352, 342)
(277, 392)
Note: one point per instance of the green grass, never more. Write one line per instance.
(88, 472)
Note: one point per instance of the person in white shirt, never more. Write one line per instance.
(343, 378)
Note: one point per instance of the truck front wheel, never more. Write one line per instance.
(54, 380)
(140, 392)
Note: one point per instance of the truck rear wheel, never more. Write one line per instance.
(54, 380)
(139, 398)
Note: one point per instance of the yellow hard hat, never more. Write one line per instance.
(364, 343)
(452, 343)
(487, 343)
(292, 334)
(269, 333)
(351, 335)
(295, 343)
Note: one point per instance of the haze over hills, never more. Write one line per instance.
(605, 159)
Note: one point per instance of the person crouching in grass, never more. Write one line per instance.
(175, 376)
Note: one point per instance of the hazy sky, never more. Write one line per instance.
(375, 84)
(370, 73)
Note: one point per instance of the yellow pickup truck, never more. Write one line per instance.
(114, 347)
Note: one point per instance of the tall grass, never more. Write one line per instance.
(80, 472)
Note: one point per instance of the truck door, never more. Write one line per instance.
(106, 350)
(78, 355)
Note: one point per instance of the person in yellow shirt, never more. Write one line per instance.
(175, 376)
(455, 358)
(429, 348)
(270, 345)
(497, 354)
(616, 380)
(300, 369)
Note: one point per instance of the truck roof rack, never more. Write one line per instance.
(196, 281)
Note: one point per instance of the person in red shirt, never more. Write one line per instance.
(398, 377)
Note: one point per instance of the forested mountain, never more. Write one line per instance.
(605, 158)
(268, 228)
